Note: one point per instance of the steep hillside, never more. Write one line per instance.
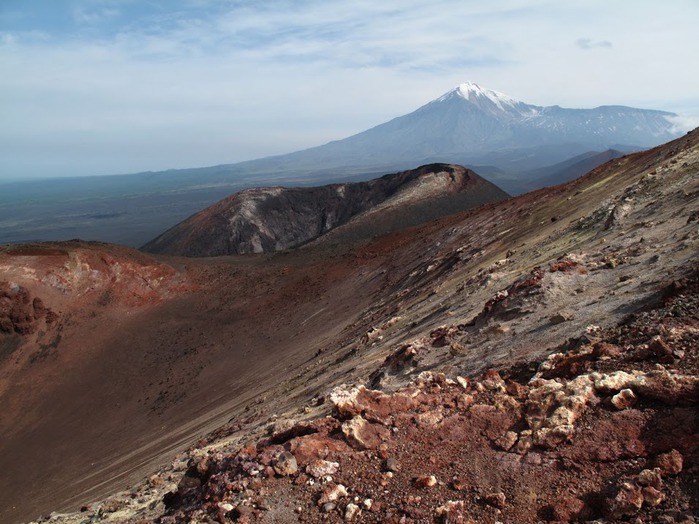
(272, 219)
(579, 303)
(565, 171)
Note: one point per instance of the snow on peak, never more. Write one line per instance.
(473, 92)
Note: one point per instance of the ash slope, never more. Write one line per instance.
(273, 219)
(258, 343)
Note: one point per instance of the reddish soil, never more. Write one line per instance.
(462, 450)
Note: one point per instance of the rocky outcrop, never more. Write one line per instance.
(272, 219)
(21, 313)
(492, 448)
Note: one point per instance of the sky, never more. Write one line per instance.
(95, 87)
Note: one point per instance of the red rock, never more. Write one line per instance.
(563, 264)
(315, 446)
(515, 389)
(362, 434)
(458, 484)
(506, 441)
(650, 477)
(570, 509)
(667, 387)
(652, 496)
(670, 463)
(661, 350)
(604, 350)
(321, 468)
(627, 501)
(425, 481)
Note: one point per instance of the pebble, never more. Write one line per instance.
(286, 464)
(425, 481)
(351, 511)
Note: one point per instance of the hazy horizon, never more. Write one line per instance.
(118, 86)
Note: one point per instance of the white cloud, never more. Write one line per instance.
(684, 123)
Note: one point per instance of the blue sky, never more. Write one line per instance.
(118, 86)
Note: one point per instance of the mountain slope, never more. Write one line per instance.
(565, 171)
(272, 219)
(251, 348)
(471, 124)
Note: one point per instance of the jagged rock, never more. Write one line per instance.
(322, 468)
(506, 441)
(670, 463)
(624, 399)
(331, 493)
(351, 512)
(667, 387)
(316, 446)
(19, 312)
(430, 418)
(652, 496)
(363, 434)
(372, 404)
(286, 464)
(604, 351)
(492, 381)
(650, 477)
(553, 408)
(661, 350)
(188, 485)
(616, 381)
(569, 509)
(425, 481)
(627, 501)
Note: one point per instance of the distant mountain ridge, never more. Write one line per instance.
(474, 125)
(272, 219)
(567, 170)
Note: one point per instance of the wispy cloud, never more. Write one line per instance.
(130, 85)
(84, 15)
(588, 43)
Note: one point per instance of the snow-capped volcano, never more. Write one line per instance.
(475, 93)
(497, 135)
(494, 103)
(470, 123)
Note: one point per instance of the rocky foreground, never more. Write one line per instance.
(605, 430)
